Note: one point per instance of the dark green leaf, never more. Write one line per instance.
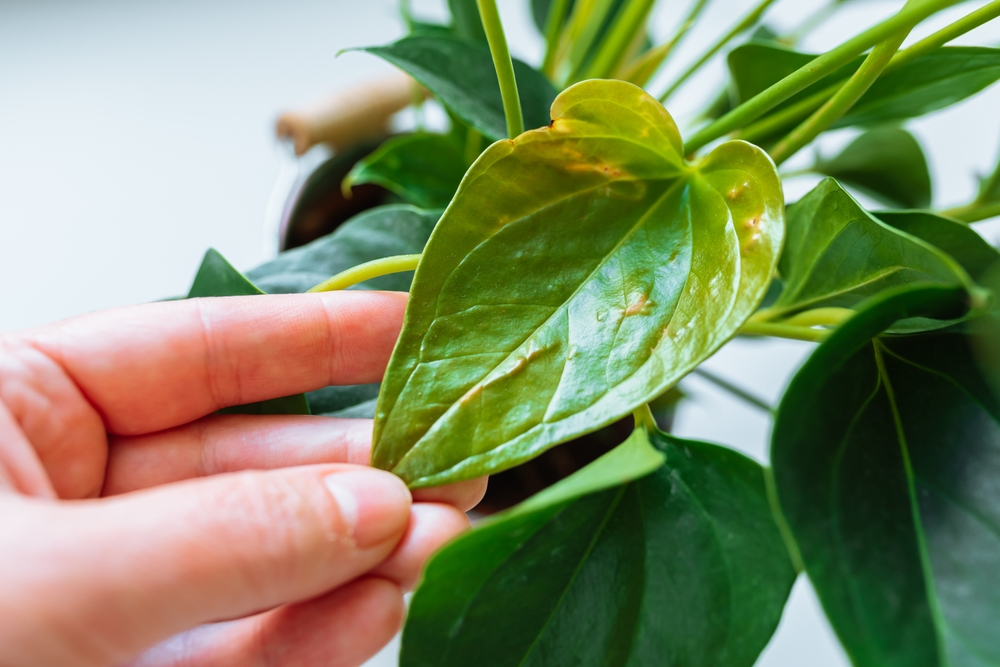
(540, 13)
(760, 63)
(934, 81)
(683, 566)
(886, 456)
(423, 169)
(466, 21)
(930, 82)
(580, 271)
(462, 76)
(431, 29)
(297, 404)
(379, 232)
(958, 240)
(887, 164)
(217, 277)
(838, 254)
(344, 401)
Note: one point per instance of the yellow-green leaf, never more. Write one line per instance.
(580, 271)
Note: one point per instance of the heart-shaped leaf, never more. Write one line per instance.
(838, 254)
(886, 454)
(580, 271)
(462, 76)
(684, 565)
(423, 169)
(217, 277)
(887, 164)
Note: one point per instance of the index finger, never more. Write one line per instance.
(150, 367)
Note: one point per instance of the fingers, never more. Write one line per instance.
(463, 495)
(431, 527)
(151, 564)
(20, 469)
(341, 629)
(231, 443)
(155, 366)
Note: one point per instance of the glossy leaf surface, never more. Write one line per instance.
(930, 82)
(886, 455)
(580, 271)
(837, 254)
(962, 243)
(217, 277)
(423, 169)
(379, 232)
(887, 164)
(465, 20)
(461, 75)
(683, 566)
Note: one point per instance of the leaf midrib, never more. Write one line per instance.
(583, 560)
(598, 267)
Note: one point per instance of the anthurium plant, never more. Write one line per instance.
(571, 254)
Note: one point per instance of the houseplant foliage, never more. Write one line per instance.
(574, 254)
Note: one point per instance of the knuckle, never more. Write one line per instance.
(283, 530)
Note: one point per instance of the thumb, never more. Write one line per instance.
(115, 576)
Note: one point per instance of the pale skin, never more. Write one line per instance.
(138, 527)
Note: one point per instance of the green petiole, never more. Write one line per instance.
(809, 74)
(841, 102)
(736, 391)
(642, 69)
(644, 419)
(367, 271)
(504, 66)
(974, 212)
(629, 21)
(553, 30)
(748, 21)
(796, 112)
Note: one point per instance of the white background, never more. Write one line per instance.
(134, 135)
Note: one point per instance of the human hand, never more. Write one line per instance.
(131, 514)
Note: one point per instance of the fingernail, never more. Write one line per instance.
(374, 505)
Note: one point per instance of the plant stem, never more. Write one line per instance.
(629, 21)
(473, 145)
(779, 330)
(779, 518)
(367, 271)
(974, 212)
(644, 418)
(642, 69)
(553, 30)
(584, 26)
(757, 106)
(736, 391)
(970, 21)
(748, 21)
(841, 102)
(504, 66)
(821, 317)
(796, 112)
